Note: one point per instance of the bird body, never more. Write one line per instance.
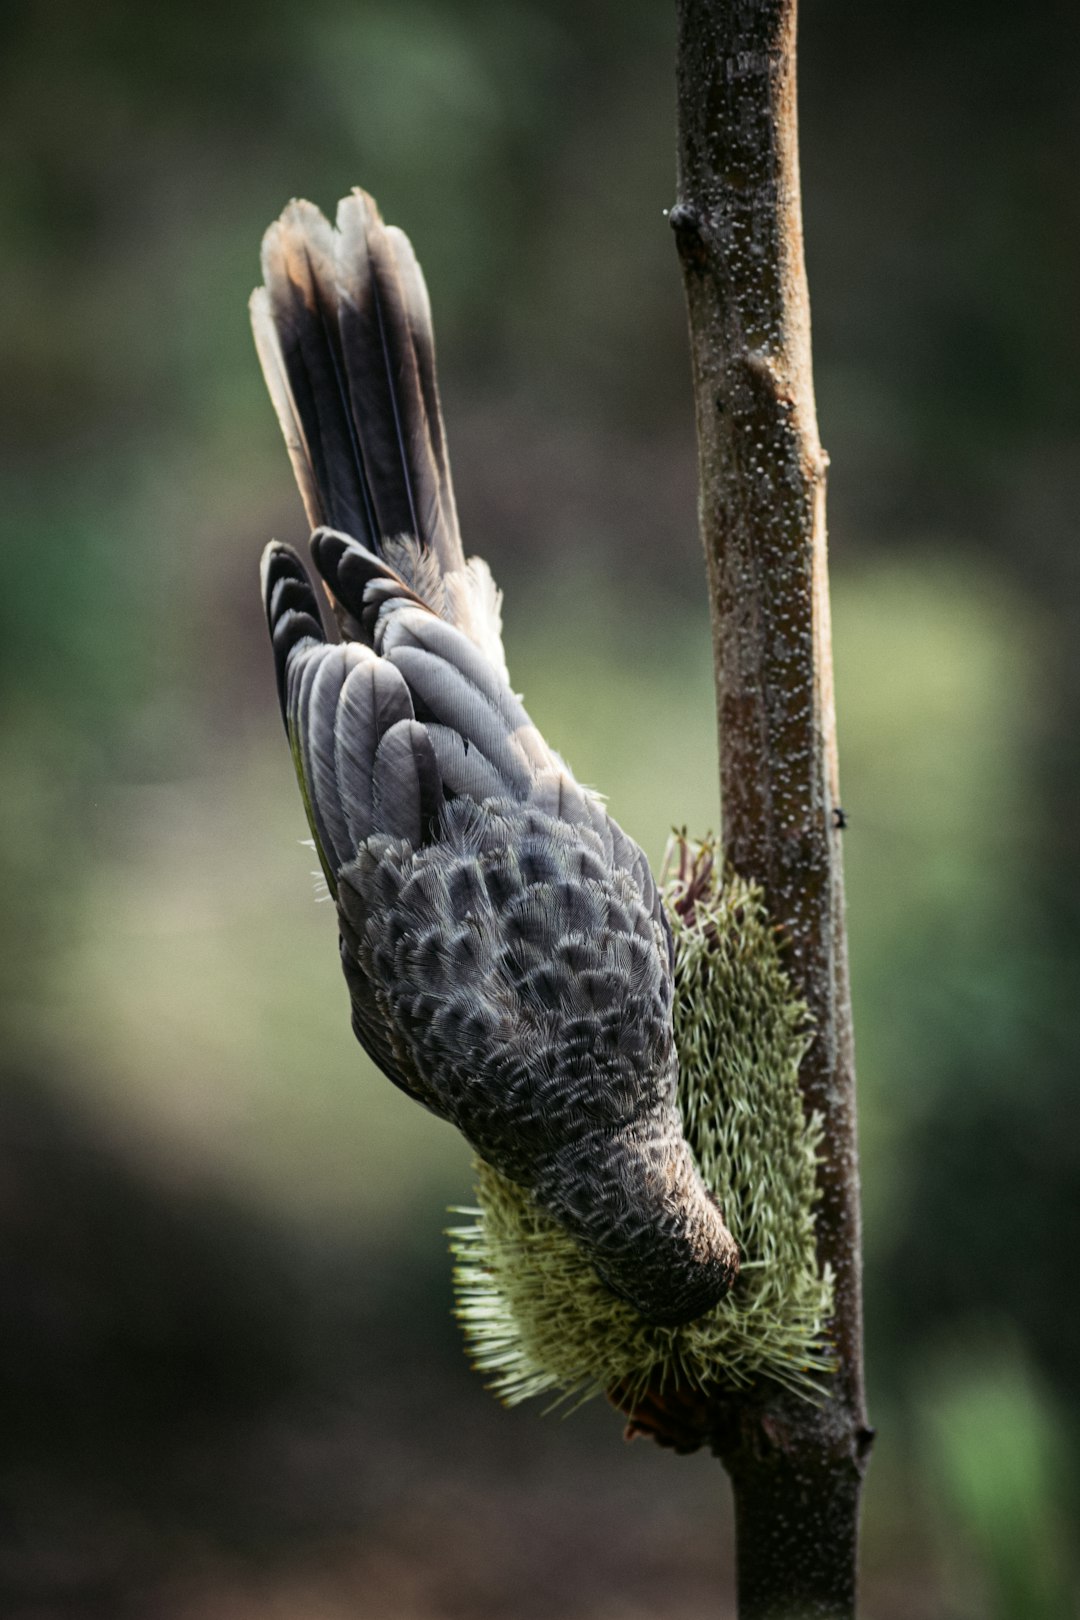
(504, 944)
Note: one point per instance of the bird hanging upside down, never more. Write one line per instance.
(505, 947)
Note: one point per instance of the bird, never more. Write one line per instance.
(504, 943)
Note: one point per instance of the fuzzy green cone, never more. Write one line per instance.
(537, 1320)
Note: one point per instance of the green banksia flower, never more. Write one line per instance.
(536, 1317)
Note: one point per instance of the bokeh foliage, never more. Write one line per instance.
(170, 994)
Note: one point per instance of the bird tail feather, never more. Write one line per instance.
(343, 330)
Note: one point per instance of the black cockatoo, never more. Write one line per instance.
(506, 951)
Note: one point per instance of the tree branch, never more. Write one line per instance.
(796, 1469)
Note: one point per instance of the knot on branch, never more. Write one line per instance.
(686, 222)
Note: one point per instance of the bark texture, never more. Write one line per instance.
(795, 1469)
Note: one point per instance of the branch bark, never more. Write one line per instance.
(796, 1469)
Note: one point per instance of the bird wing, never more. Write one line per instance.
(362, 761)
(387, 732)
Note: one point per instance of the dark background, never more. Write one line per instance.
(232, 1389)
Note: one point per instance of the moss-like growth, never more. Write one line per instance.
(537, 1319)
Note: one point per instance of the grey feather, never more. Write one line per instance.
(303, 673)
(418, 314)
(464, 769)
(268, 346)
(321, 753)
(299, 263)
(449, 699)
(384, 382)
(292, 613)
(406, 789)
(444, 641)
(373, 698)
(561, 797)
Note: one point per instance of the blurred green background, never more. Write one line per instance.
(231, 1386)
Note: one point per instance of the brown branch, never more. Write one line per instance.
(796, 1469)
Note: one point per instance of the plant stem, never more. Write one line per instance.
(796, 1469)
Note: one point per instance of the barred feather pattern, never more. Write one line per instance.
(505, 947)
